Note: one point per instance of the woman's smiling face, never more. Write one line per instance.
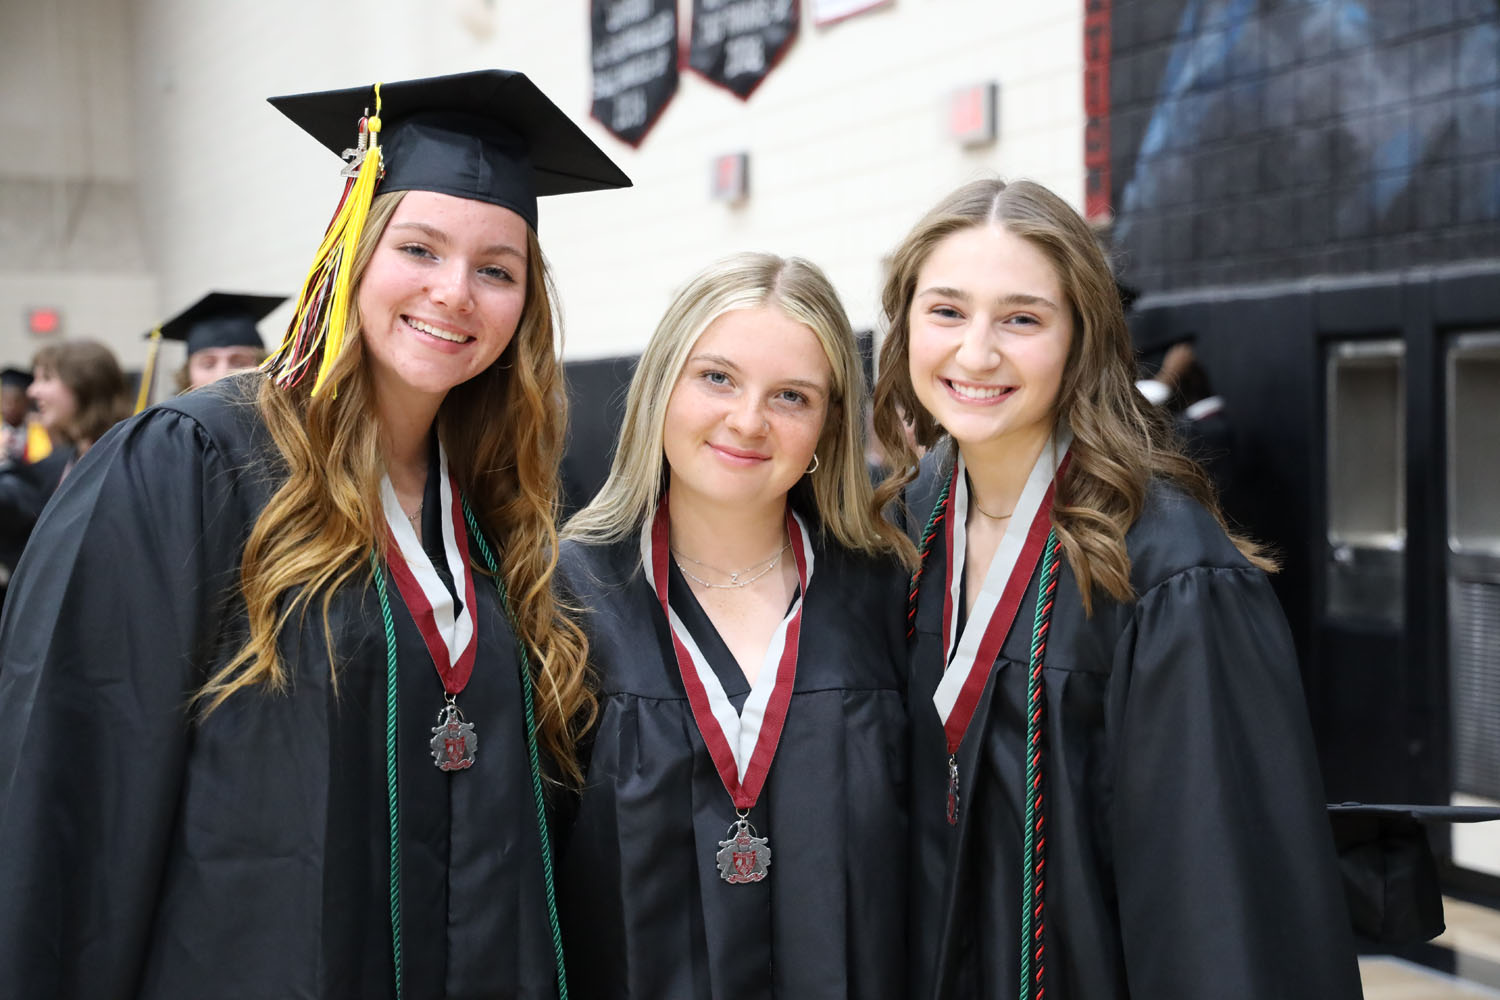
(443, 293)
(748, 408)
(990, 330)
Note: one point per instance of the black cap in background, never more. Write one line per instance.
(221, 319)
(1390, 874)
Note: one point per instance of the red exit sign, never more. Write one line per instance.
(44, 321)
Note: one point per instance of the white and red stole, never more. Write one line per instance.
(967, 657)
(741, 744)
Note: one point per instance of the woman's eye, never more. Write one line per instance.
(415, 250)
(715, 378)
(793, 396)
(497, 273)
(1023, 320)
(946, 312)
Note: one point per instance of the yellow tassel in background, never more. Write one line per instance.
(148, 374)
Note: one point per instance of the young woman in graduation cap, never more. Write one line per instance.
(1115, 788)
(742, 826)
(274, 712)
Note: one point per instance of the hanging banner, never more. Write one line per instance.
(1096, 56)
(828, 11)
(736, 43)
(633, 44)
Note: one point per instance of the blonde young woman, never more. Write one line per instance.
(1115, 790)
(273, 707)
(741, 829)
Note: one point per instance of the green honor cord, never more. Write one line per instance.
(393, 793)
(1033, 855)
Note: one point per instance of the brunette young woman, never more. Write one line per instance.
(1115, 788)
(274, 709)
(742, 826)
(79, 393)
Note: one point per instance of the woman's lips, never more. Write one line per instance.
(738, 456)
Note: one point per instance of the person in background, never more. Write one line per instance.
(741, 827)
(79, 392)
(1115, 790)
(220, 335)
(14, 410)
(1182, 386)
(267, 724)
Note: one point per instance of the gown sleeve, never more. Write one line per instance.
(21, 500)
(1224, 862)
(108, 622)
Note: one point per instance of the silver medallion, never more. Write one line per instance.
(744, 857)
(952, 789)
(454, 744)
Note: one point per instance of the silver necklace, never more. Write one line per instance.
(412, 517)
(735, 583)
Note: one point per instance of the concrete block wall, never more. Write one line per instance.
(846, 139)
(1260, 142)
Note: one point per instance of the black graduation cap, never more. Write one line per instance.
(221, 319)
(1390, 875)
(18, 377)
(489, 135)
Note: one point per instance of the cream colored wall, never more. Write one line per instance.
(846, 139)
(69, 210)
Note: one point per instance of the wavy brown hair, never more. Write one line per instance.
(1120, 442)
(503, 431)
(93, 376)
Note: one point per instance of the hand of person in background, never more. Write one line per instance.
(1178, 360)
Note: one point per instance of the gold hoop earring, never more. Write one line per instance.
(814, 467)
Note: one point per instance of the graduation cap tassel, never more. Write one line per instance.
(316, 332)
(148, 374)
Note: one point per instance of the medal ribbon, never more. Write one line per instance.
(742, 745)
(967, 667)
(450, 634)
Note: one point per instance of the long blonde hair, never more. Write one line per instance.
(839, 492)
(1119, 441)
(503, 431)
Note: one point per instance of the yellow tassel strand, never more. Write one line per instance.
(148, 373)
(357, 208)
(323, 305)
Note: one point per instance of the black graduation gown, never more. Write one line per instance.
(25, 488)
(246, 857)
(645, 914)
(1187, 850)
